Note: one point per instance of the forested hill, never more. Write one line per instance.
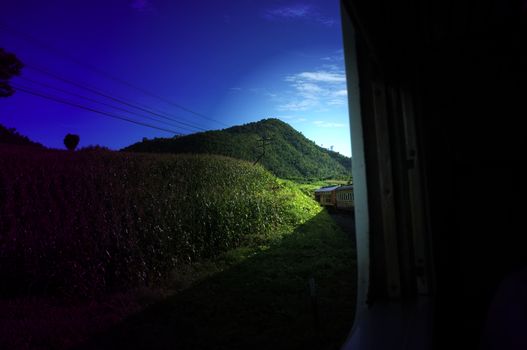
(288, 155)
(12, 137)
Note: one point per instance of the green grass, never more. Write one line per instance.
(337, 182)
(233, 245)
(308, 187)
(255, 297)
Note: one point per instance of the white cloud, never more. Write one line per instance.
(309, 89)
(304, 12)
(337, 56)
(338, 98)
(299, 105)
(326, 21)
(316, 89)
(323, 76)
(291, 12)
(336, 102)
(331, 67)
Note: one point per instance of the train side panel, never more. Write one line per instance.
(344, 198)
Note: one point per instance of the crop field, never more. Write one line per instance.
(255, 298)
(87, 222)
(97, 245)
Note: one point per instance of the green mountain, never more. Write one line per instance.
(288, 154)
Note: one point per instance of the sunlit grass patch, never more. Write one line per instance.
(258, 298)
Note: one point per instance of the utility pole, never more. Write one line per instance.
(265, 141)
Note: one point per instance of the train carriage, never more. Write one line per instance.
(344, 197)
(326, 196)
(339, 197)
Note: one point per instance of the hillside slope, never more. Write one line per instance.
(92, 220)
(12, 137)
(289, 155)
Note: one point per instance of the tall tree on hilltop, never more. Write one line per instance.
(10, 66)
(71, 141)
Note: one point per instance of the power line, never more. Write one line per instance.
(100, 102)
(58, 52)
(31, 39)
(115, 99)
(265, 141)
(59, 100)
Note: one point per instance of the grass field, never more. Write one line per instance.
(255, 297)
(309, 187)
(221, 249)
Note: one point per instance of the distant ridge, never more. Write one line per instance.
(288, 155)
(12, 137)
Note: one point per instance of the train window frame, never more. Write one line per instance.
(361, 212)
(391, 266)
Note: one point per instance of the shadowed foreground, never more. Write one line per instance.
(260, 301)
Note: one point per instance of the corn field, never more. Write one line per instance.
(87, 222)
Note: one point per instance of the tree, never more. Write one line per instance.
(10, 66)
(71, 141)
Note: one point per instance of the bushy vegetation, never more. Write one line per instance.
(94, 220)
(10, 66)
(257, 298)
(289, 155)
(12, 137)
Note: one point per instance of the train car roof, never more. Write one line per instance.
(326, 189)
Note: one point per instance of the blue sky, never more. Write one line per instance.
(231, 61)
